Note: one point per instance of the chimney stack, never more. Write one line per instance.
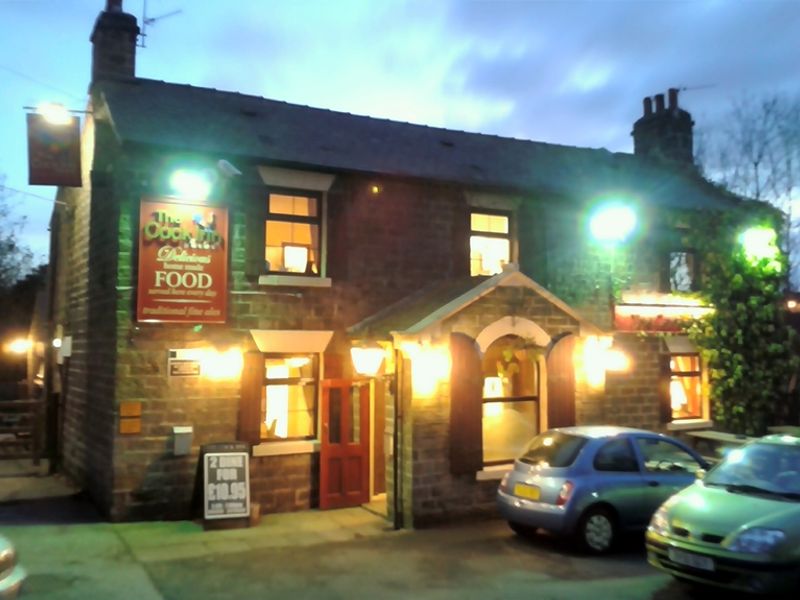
(666, 134)
(673, 98)
(114, 43)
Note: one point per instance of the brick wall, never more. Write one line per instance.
(84, 307)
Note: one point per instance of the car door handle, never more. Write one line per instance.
(653, 483)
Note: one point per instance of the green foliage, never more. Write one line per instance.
(15, 258)
(749, 349)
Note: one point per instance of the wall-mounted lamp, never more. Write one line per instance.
(375, 189)
(189, 184)
(367, 359)
(54, 113)
(612, 223)
(19, 346)
(429, 366)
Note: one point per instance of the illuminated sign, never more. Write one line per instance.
(183, 263)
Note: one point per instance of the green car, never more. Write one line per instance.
(737, 527)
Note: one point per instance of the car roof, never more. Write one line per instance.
(781, 439)
(602, 431)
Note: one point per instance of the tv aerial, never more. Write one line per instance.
(151, 21)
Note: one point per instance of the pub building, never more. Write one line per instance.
(377, 312)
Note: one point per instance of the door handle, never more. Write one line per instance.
(653, 483)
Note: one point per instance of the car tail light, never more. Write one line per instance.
(565, 493)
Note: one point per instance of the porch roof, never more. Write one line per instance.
(426, 308)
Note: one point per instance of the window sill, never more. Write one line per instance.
(284, 448)
(295, 280)
(689, 424)
(493, 473)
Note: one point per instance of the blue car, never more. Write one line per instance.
(594, 482)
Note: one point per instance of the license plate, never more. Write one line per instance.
(531, 492)
(691, 560)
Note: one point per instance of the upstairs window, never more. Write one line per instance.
(682, 272)
(292, 233)
(489, 242)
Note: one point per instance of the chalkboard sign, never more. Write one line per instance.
(226, 485)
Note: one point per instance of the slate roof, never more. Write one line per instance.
(183, 117)
(437, 301)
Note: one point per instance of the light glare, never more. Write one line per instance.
(612, 223)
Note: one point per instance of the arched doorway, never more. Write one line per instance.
(511, 397)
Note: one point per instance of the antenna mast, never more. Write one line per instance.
(151, 21)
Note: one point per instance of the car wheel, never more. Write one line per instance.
(597, 530)
(522, 530)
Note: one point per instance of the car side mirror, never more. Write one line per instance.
(700, 474)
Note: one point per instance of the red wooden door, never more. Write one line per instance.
(561, 383)
(344, 453)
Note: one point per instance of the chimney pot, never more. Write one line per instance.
(659, 103)
(648, 106)
(673, 98)
(114, 6)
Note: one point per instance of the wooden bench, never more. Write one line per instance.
(711, 444)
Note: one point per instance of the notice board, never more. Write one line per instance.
(226, 484)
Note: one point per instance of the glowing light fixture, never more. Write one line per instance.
(492, 387)
(54, 113)
(791, 304)
(429, 366)
(367, 359)
(295, 258)
(190, 184)
(20, 346)
(221, 365)
(760, 243)
(57, 342)
(612, 223)
(616, 360)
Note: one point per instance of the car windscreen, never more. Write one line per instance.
(553, 449)
(760, 467)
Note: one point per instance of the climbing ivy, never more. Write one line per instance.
(750, 351)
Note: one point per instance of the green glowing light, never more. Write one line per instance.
(760, 243)
(190, 184)
(612, 223)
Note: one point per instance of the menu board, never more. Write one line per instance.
(226, 485)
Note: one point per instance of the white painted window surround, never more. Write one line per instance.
(285, 448)
(494, 472)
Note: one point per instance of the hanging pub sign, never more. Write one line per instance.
(183, 263)
(54, 151)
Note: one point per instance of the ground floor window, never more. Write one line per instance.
(510, 400)
(685, 386)
(289, 397)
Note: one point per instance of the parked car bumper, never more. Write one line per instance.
(726, 570)
(534, 514)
